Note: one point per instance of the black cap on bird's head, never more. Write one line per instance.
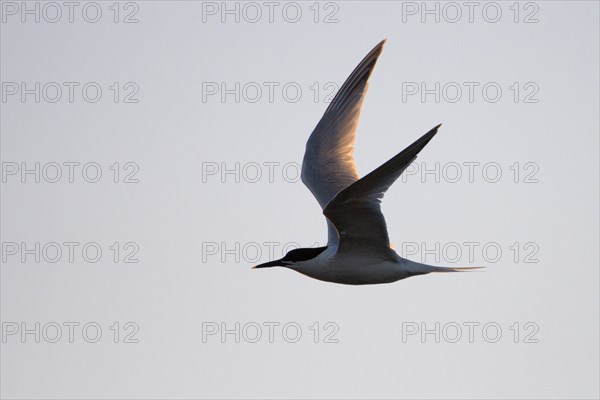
(294, 256)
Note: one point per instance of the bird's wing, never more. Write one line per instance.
(328, 165)
(356, 211)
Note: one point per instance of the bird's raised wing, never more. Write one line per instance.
(356, 211)
(328, 165)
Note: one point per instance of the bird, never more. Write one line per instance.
(358, 250)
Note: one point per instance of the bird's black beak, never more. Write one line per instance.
(276, 263)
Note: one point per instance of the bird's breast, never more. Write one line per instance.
(355, 270)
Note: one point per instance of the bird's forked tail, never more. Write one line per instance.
(453, 269)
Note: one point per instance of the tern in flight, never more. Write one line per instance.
(358, 249)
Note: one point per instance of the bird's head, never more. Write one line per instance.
(293, 257)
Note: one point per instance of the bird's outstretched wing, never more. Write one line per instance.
(356, 211)
(328, 165)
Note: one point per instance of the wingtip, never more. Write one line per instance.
(374, 54)
(379, 47)
(375, 51)
(433, 131)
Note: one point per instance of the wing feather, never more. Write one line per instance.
(328, 164)
(355, 211)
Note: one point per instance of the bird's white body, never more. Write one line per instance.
(358, 250)
(361, 267)
(354, 269)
